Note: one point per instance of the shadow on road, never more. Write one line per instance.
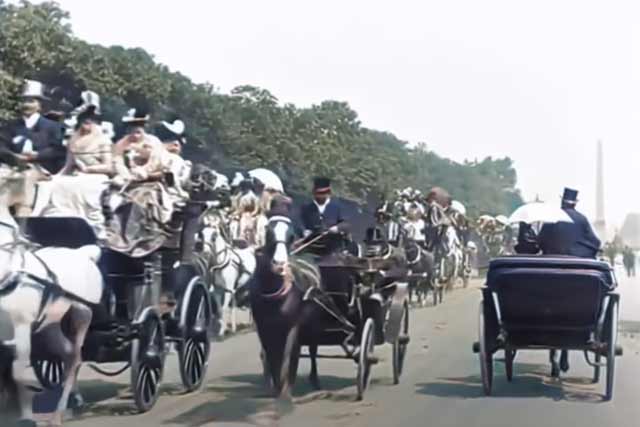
(243, 398)
(529, 381)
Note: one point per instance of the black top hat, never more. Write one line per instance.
(570, 196)
(321, 185)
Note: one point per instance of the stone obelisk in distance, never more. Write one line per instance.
(600, 224)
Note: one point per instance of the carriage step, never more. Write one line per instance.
(404, 339)
(476, 347)
(619, 350)
(374, 360)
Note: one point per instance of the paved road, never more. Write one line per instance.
(441, 386)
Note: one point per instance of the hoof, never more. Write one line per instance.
(564, 365)
(555, 371)
(315, 384)
(26, 423)
(76, 402)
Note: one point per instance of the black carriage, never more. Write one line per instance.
(549, 303)
(131, 326)
(361, 317)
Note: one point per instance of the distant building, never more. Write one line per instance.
(630, 231)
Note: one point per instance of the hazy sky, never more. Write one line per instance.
(539, 81)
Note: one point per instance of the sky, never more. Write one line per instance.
(538, 81)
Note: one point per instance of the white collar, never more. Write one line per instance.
(31, 121)
(322, 207)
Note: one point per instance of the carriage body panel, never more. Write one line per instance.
(548, 303)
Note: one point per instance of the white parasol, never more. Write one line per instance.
(270, 180)
(457, 206)
(539, 212)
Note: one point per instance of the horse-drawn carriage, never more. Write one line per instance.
(335, 299)
(549, 303)
(130, 325)
(149, 302)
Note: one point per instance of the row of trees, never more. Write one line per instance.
(247, 128)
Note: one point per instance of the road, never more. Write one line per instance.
(440, 388)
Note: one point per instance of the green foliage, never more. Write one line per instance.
(247, 128)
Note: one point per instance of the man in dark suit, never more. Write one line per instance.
(575, 238)
(324, 214)
(35, 138)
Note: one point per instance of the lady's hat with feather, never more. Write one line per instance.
(138, 116)
(172, 130)
(87, 108)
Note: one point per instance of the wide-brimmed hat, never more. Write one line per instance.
(33, 89)
(89, 113)
(173, 131)
(88, 100)
(136, 116)
(321, 185)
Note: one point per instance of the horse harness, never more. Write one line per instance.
(51, 289)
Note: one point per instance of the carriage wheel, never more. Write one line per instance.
(486, 357)
(509, 356)
(400, 346)
(49, 372)
(367, 345)
(147, 360)
(195, 345)
(611, 349)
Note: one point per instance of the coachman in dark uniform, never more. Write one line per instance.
(37, 139)
(324, 215)
(575, 238)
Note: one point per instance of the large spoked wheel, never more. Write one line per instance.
(365, 357)
(611, 349)
(509, 357)
(49, 372)
(400, 346)
(486, 356)
(194, 346)
(147, 360)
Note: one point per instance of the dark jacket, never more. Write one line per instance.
(46, 138)
(315, 222)
(565, 238)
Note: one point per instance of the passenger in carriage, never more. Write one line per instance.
(89, 150)
(415, 225)
(575, 238)
(172, 135)
(36, 139)
(139, 156)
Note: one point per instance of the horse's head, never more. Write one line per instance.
(279, 235)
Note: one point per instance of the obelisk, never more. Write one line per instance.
(600, 224)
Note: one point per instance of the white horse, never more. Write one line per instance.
(229, 268)
(38, 287)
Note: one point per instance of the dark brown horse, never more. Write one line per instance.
(276, 302)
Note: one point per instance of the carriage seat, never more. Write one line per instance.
(66, 232)
(550, 292)
(545, 263)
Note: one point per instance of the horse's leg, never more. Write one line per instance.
(291, 343)
(313, 375)
(80, 319)
(564, 360)
(555, 368)
(234, 323)
(22, 339)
